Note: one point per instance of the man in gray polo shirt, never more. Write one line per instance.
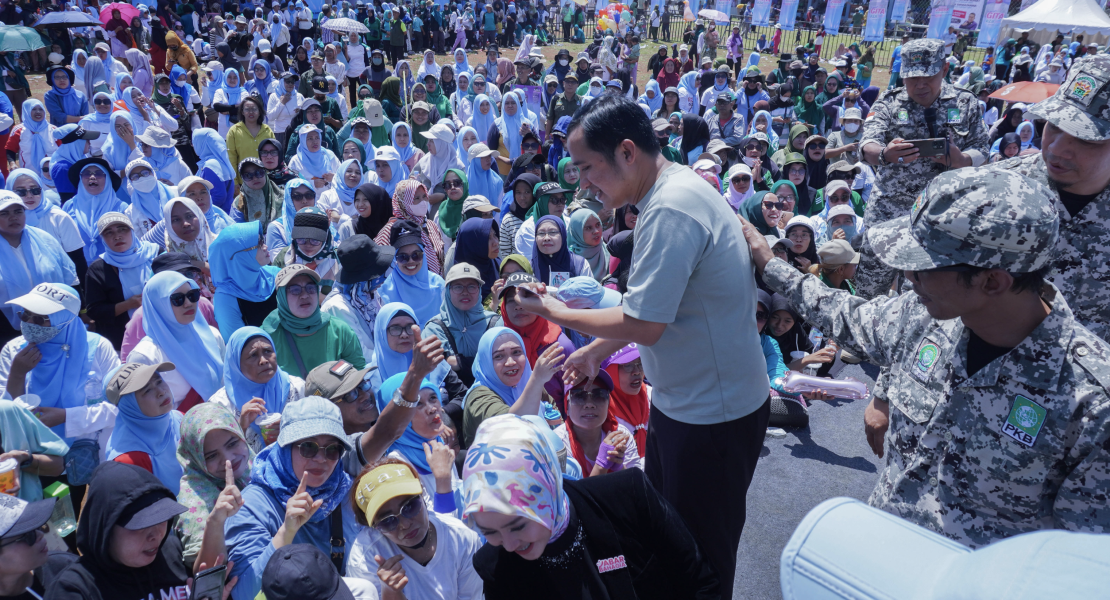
(691, 307)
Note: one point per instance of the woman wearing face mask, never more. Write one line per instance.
(115, 281)
(148, 196)
(844, 144)
(377, 73)
(410, 203)
(253, 383)
(303, 335)
(835, 194)
(601, 517)
(175, 334)
(312, 245)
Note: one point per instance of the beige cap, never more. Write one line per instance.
(287, 274)
(837, 252)
(374, 112)
(464, 271)
(481, 150)
(111, 218)
(132, 377)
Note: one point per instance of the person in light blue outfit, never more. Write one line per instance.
(145, 425)
(240, 389)
(299, 194)
(244, 279)
(398, 172)
(64, 103)
(21, 430)
(35, 141)
(312, 448)
(482, 176)
(261, 86)
(96, 195)
(422, 290)
(71, 149)
(123, 84)
(390, 362)
(115, 150)
(214, 166)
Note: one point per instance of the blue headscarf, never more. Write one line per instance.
(94, 116)
(39, 129)
(422, 291)
(156, 436)
(509, 126)
(150, 204)
(59, 378)
(177, 72)
(653, 104)
(288, 209)
(134, 266)
(472, 247)
(115, 150)
(460, 151)
(162, 159)
(71, 98)
(234, 270)
(485, 182)
(407, 151)
(212, 152)
(44, 261)
(193, 347)
(410, 444)
(347, 194)
(120, 89)
(240, 390)
(686, 82)
(273, 471)
(78, 71)
(486, 374)
(387, 361)
(397, 168)
(315, 163)
(234, 92)
(771, 135)
(86, 209)
(261, 87)
(482, 123)
(333, 95)
(38, 213)
(71, 152)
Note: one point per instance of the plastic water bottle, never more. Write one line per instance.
(94, 389)
(817, 339)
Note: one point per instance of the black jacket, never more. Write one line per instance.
(95, 576)
(622, 516)
(103, 290)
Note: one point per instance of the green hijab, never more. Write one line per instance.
(810, 112)
(776, 185)
(563, 164)
(283, 317)
(356, 110)
(597, 256)
(391, 90)
(361, 150)
(539, 207)
(518, 259)
(450, 211)
(752, 210)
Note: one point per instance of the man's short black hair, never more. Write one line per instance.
(614, 113)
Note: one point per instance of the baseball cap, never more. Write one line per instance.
(570, 75)
(463, 271)
(852, 113)
(660, 125)
(623, 356)
(403, 233)
(156, 137)
(707, 164)
(111, 218)
(334, 379)
(1081, 107)
(922, 58)
(773, 241)
(302, 572)
(374, 112)
(317, 54)
(840, 166)
(320, 84)
(19, 516)
(586, 292)
(831, 556)
(478, 203)
(9, 198)
(289, 75)
(421, 105)
(150, 509)
(310, 101)
(383, 484)
(549, 187)
(171, 261)
(439, 131)
(130, 378)
(725, 95)
(989, 219)
(49, 298)
(311, 222)
(309, 417)
(603, 379)
(361, 259)
(516, 279)
(481, 150)
(614, 83)
(287, 274)
(841, 210)
(837, 252)
(187, 182)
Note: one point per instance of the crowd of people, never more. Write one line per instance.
(288, 314)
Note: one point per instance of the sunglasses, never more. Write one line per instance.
(178, 299)
(34, 319)
(774, 205)
(351, 396)
(414, 257)
(760, 315)
(450, 184)
(297, 290)
(311, 449)
(102, 102)
(751, 147)
(22, 192)
(252, 174)
(532, 146)
(409, 510)
(399, 330)
(302, 196)
(594, 396)
(30, 537)
(816, 145)
(741, 179)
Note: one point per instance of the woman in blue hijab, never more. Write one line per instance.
(183, 89)
(406, 150)
(148, 195)
(175, 334)
(146, 430)
(260, 86)
(96, 196)
(313, 161)
(244, 279)
(387, 157)
(215, 166)
(509, 123)
(422, 290)
(36, 142)
(68, 154)
(655, 101)
(115, 150)
(482, 122)
(393, 353)
(251, 373)
(226, 100)
(123, 83)
(279, 233)
(62, 99)
(43, 259)
(463, 143)
(483, 178)
(462, 320)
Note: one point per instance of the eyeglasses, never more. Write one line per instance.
(839, 197)
(308, 242)
(178, 299)
(252, 174)
(29, 538)
(352, 396)
(742, 179)
(594, 396)
(399, 330)
(452, 183)
(139, 174)
(409, 510)
(92, 174)
(774, 205)
(302, 196)
(194, 274)
(816, 145)
(297, 290)
(760, 315)
(22, 192)
(268, 153)
(414, 257)
(102, 102)
(311, 449)
(547, 235)
(631, 367)
(34, 319)
(470, 288)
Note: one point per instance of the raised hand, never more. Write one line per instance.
(251, 411)
(548, 362)
(427, 354)
(391, 573)
(229, 501)
(298, 511)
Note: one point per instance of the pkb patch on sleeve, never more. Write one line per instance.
(926, 357)
(1025, 420)
(902, 116)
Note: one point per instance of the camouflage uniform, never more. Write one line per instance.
(895, 115)
(1082, 265)
(1022, 444)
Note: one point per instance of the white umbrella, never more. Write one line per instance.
(715, 15)
(345, 26)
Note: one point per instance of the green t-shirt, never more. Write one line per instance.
(480, 404)
(334, 341)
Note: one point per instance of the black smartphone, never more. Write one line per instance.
(930, 147)
(209, 584)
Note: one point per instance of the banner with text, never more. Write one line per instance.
(991, 24)
(939, 17)
(834, 10)
(724, 6)
(898, 11)
(876, 21)
(967, 14)
(761, 13)
(788, 14)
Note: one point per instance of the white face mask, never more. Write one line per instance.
(419, 210)
(851, 127)
(145, 184)
(563, 63)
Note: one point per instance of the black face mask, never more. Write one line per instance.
(796, 72)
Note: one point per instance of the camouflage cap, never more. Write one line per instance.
(983, 218)
(1081, 107)
(922, 58)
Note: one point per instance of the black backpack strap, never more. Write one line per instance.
(338, 543)
(446, 330)
(296, 353)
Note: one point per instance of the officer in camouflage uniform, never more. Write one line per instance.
(989, 436)
(1077, 140)
(900, 172)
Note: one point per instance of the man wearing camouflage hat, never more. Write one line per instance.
(1000, 418)
(927, 107)
(1075, 164)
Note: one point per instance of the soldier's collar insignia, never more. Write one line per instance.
(1025, 420)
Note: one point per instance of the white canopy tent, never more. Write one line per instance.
(1046, 18)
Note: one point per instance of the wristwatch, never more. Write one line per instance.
(399, 400)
